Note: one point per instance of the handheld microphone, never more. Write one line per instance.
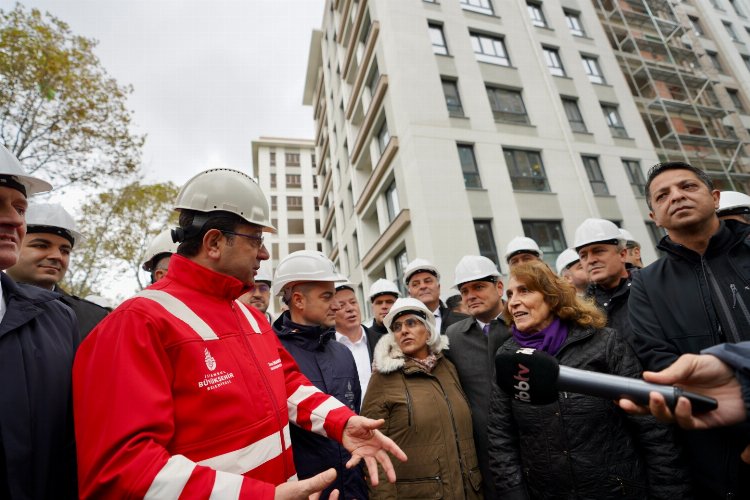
(536, 377)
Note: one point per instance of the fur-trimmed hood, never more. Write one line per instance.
(388, 358)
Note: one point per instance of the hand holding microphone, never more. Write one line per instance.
(535, 377)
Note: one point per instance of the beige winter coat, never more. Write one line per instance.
(428, 416)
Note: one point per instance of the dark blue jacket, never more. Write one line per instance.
(330, 366)
(38, 339)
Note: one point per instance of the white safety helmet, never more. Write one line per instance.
(474, 267)
(264, 273)
(383, 287)
(11, 167)
(346, 285)
(733, 203)
(52, 218)
(522, 244)
(410, 305)
(223, 189)
(419, 266)
(160, 245)
(628, 237)
(597, 231)
(566, 258)
(304, 266)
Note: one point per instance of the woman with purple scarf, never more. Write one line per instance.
(579, 446)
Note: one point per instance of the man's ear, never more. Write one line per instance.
(213, 243)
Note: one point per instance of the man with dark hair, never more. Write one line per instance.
(455, 304)
(183, 391)
(38, 339)
(696, 296)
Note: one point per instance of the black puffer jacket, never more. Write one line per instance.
(581, 446)
(614, 303)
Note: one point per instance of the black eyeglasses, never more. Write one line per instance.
(257, 239)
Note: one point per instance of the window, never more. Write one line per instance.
(635, 176)
(552, 58)
(696, 25)
(469, 166)
(273, 202)
(315, 181)
(452, 99)
(355, 248)
(489, 49)
(574, 115)
(614, 121)
(730, 31)
(573, 19)
(383, 137)
(312, 161)
(526, 170)
(549, 236)
(294, 203)
(736, 8)
(437, 39)
(295, 226)
(591, 67)
(656, 233)
(595, 175)
(273, 180)
(536, 14)
(507, 105)
(482, 6)
(400, 262)
(293, 180)
(292, 159)
(272, 158)
(486, 240)
(391, 201)
(372, 80)
(734, 95)
(746, 60)
(714, 58)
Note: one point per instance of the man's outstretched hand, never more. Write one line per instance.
(363, 440)
(307, 488)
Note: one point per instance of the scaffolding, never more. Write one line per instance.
(676, 88)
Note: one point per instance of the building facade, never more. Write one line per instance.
(448, 128)
(285, 170)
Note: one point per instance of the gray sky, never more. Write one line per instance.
(209, 76)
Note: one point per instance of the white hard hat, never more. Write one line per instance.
(382, 287)
(100, 301)
(418, 266)
(161, 244)
(733, 202)
(264, 273)
(11, 167)
(522, 244)
(346, 285)
(52, 218)
(414, 306)
(303, 266)
(474, 267)
(628, 236)
(223, 189)
(566, 258)
(597, 231)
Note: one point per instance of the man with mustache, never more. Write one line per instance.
(694, 297)
(603, 253)
(50, 238)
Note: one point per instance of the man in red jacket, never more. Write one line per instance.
(183, 391)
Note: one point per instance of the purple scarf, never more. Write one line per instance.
(549, 340)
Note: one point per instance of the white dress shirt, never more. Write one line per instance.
(361, 358)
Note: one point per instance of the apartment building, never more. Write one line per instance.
(285, 170)
(448, 128)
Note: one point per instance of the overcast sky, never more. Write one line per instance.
(209, 76)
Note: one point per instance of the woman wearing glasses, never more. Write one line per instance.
(416, 390)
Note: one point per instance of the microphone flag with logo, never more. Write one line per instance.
(528, 375)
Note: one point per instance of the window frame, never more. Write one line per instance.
(616, 127)
(488, 237)
(480, 6)
(507, 116)
(536, 14)
(554, 61)
(573, 21)
(392, 205)
(519, 181)
(435, 29)
(456, 109)
(595, 175)
(497, 44)
(593, 69)
(635, 176)
(569, 104)
(553, 233)
(469, 166)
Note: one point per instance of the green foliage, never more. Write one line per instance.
(61, 114)
(118, 225)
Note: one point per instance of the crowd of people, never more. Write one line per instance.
(192, 389)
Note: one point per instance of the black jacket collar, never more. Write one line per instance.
(730, 233)
(307, 337)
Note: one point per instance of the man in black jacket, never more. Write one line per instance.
(50, 238)
(38, 339)
(603, 254)
(473, 343)
(697, 296)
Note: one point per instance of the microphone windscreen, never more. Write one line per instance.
(528, 375)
